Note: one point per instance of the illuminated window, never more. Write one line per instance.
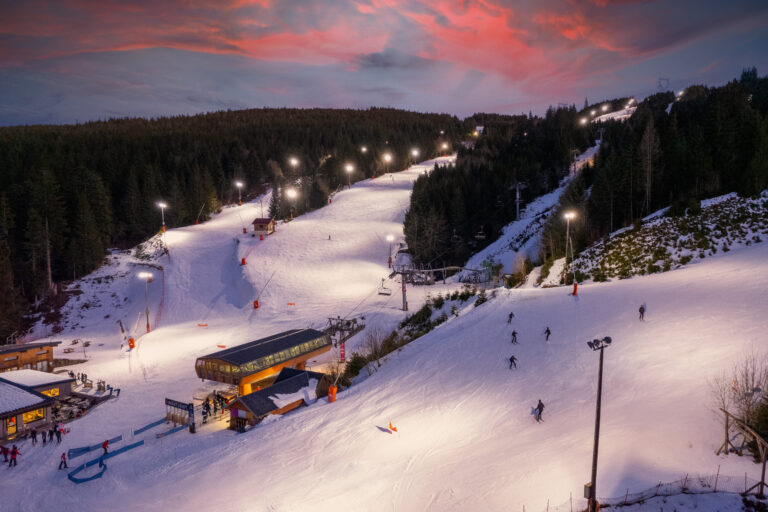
(10, 425)
(295, 351)
(29, 417)
(51, 392)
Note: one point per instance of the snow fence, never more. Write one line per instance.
(701, 484)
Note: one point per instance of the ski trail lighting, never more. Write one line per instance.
(415, 153)
(292, 194)
(604, 108)
(162, 205)
(568, 216)
(349, 168)
(592, 112)
(147, 277)
(583, 120)
(239, 185)
(589, 489)
(387, 159)
(363, 149)
(293, 161)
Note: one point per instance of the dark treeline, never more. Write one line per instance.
(67, 193)
(455, 211)
(713, 141)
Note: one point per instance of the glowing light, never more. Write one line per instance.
(349, 167)
(390, 238)
(475, 133)
(593, 112)
(604, 108)
(291, 193)
(414, 152)
(569, 215)
(583, 120)
(680, 93)
(145, 275)
(293, 161)
(442, 132)
(387, 157)
(445, 145)
(239, 184)
(363, 149)
(162, 205)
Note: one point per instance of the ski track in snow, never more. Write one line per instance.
(465, 440)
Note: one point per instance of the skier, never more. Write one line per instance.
(43, 437)
(14, 452)
(34, 436)
(642, 311)
(513, 362)
(58, 436)
(539, 410)
(63, 462)
(4, 451)
(510, 317)
(547, 332)
(514, 337)
(51, 433)
(105, 445)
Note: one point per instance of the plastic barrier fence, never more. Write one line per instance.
(100, 462)
(76, 452)
(148, 426)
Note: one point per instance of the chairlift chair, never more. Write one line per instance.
(455, 238)
(383, 290)
(480, 234)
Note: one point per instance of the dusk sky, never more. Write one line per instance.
(66, 61)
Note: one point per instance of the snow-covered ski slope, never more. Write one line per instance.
(523, 237)
(465, 440)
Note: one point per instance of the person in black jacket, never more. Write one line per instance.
(512, 362)
(514, 337)
(547, 332)
(539, 410)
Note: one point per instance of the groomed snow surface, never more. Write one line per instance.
(466, 439)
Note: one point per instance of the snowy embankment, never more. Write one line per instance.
(666, 243)
(522, 238)
(465, 440)
(619, 115)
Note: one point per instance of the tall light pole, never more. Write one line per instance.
(147, 277)
(596, 345)
(239, 185)
(349, 168)
(291, 193)
(568, 216)
(294, 162)
(387, 159)
(162, 207)
(390, 238)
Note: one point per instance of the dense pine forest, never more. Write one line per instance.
(673, 151)
(67, 193)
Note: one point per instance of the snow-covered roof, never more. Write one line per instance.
(15, 398)
(285, 391)
(34, 378)
(4, 349)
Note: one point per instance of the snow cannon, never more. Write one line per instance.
(575, 288)
(131, 343)
(242, 261)
(332, 394)
(330, 200)
(255, 304)
(245, 231)
(261, 238)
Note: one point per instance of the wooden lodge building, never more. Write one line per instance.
(263, 226)
(257, 361)
(22, 409)
(34, 356)
(292, 389)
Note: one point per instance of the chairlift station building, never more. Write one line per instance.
(250, 363)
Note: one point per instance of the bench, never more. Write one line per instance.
(68, 350)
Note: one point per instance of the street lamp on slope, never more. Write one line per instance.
(589, 489)
(147, 277)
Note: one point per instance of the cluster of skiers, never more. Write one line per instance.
(547, 333)
(46, 436)
(217, 403)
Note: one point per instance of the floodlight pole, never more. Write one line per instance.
(593, 495)
(146, 300)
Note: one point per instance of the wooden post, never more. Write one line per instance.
(626, 496)
(717, 477)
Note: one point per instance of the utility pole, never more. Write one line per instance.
(597, 345)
